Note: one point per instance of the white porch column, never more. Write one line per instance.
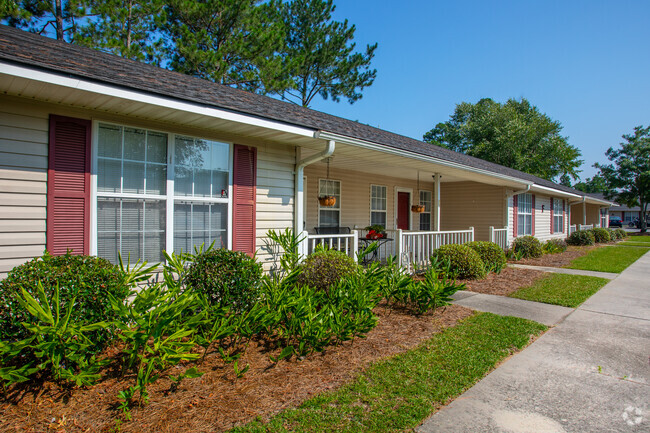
(584, 213)
(436, 205)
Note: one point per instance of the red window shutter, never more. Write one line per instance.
(552, 221)
(244, 192)
(515, 209)
(68, 186)
(533, 217)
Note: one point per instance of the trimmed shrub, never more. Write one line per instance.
(601, 235)
(613, 234)
(225, 277)
(554, 246)
(492, 255)
(581, 238)
(527, 247)
(622, 234)
(464, 262)
(89, 280)
(323, 268)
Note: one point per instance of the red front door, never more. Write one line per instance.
(403, 210)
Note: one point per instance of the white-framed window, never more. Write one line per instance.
(425, 217)
(524, 214)
(378, 205)
(558, 215)
(329, 216)
(158, 191)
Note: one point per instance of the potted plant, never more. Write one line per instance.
(375, 231)
(417, 208)
(327, 200)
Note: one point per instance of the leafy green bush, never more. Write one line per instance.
(56, 346)
(225, 277)
(528, 247)
(492, 255)
(88, 280)
(601, 235)
(622, 234)
(307, 318)
(554, 246)
(613, 234)
(324, 268)
(581, 238)
(464, 262)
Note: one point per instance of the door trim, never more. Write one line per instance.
(399, 189)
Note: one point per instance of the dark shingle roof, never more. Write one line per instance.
(73, 60)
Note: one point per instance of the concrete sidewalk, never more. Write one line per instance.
(590, 373)
(547, 314)
(608, 275)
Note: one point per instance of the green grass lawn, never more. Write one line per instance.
(608, 259)
(399, 393)
(635, 244)
(644, 239)
(561, 289)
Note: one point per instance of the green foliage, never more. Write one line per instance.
(231, 42)
(39, 15)
(464, 262)
(320, 55)
(126, 29)
(554, 246)
(55, 345)
(620, 233)
(87, 280)
(515, 134)
(492, 255)
(307, 319)
(420, 297)
(157, 333)
(225, 277)
(289, 243)
(592, 185)
(601, 235)
(628, 176)
(581, 238)
(528, 247)
(324, 268)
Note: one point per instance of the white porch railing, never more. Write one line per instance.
(572, 228)
(585, 226)
(347, 243)
(415, 248)
(499, 237)
(386, 249)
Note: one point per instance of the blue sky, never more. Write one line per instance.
(583, 63)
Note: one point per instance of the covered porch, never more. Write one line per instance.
(373, 188)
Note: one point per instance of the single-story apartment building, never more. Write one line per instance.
(105, 156)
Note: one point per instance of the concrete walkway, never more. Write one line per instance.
(590, 373)
(543, 313)
(608, 275)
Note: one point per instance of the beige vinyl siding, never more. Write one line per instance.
(593, 214)
(543, 219)
(355, 196)
(472, 204)
(23, 184)
(275, 184)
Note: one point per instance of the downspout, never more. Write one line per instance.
(299, 184)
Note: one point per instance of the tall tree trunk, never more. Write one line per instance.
(58, 12)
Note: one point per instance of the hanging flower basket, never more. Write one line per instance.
(327, 200)
(417, 208)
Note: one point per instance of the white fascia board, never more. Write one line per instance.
(554, 192)
(59, 79)
(413, 155)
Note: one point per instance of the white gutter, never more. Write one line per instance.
(555, 191)
(413, 155)
(62, 80)
(521, 191)
(299, 195)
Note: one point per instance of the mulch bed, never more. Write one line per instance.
(218, 401)
(508, 281)
(558, 260)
